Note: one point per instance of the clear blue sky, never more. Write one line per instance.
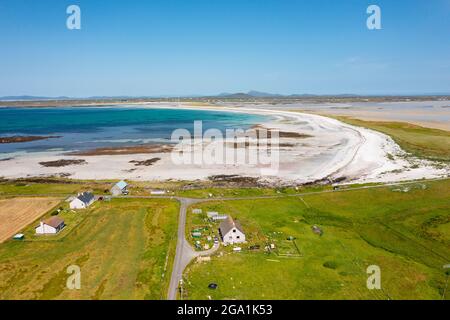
(184, 47)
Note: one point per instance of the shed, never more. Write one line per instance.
(158, 192)
(119, 188)
(220, 217)
(211, 214)
(19, 236)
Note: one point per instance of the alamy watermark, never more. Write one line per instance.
(73, 22)
(374, 279)
(74, 280)
(256, 147)
(374, 20)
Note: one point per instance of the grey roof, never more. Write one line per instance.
(228, 224)
(86, 197)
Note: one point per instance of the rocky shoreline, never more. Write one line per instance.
(21, 139)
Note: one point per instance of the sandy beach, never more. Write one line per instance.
(325, 149)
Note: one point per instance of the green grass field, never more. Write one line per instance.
(405, 233)
(125, 249)
(433, 144)
(51, 187)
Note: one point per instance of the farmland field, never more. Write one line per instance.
(403, 230)
(124, 249)
(16, 213)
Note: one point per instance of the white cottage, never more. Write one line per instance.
(231, 231)
(52, 225)
(83, 201)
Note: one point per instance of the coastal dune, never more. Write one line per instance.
(322, 149)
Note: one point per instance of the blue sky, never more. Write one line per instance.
(185, 47)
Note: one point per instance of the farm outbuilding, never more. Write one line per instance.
(211, 214)
(220, 217)
(19, 236)
(119, 188)
(158, 192)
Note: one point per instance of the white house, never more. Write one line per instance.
(83, 201)
(119, 188)
(231, 231)
(52, 225)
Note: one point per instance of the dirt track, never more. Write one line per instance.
(17, 213)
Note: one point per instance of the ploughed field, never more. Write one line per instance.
(124, 249)
(405, 230)
(17, 213)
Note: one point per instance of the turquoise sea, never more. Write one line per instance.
(83, 128)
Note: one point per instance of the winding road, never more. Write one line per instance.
(184, 252)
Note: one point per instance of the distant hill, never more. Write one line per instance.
(250, 94)
(31, 98)
(260, 94)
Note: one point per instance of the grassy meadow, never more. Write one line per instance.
(51, 187)
(404, 230)
(125, 249)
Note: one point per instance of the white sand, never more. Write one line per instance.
(335, 150)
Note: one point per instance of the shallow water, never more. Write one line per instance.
(83, 128)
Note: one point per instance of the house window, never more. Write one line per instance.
(238, 237)
(234, 230)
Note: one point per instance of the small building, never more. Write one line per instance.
(231, 231)
(220, 217)
(211, 214)
(19, 236)
(119, 188)
(83, 201)
(158, 192)
(52, 225)
(196, 211)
